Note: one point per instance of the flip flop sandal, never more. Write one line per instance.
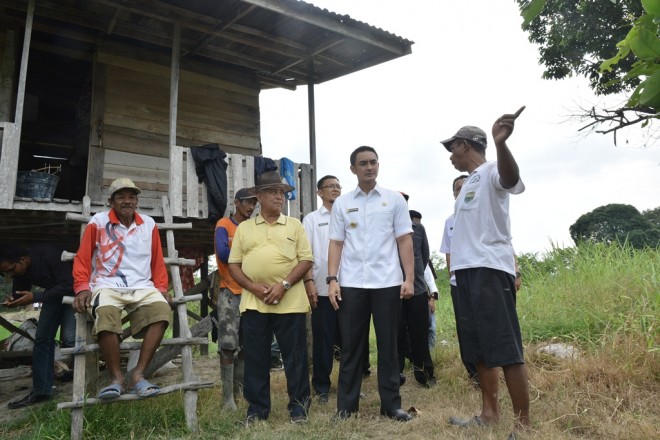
(144, 388)
(110, 392)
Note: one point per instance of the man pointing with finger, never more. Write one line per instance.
(367, 226)
(483, 261)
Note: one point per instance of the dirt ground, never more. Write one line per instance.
(15, 383)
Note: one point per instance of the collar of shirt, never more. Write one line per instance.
(259, 219)
(115, 220)
(358, 191)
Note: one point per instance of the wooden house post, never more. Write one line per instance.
(176, 159)
(11, 141)
(311, 109)
(7, 80)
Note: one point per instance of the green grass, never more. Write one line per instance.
(603, 299)
(590, 294)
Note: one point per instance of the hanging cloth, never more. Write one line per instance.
(288, 173)
(211, 167)
(263, 164)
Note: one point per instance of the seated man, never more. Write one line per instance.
(41, 265)
(119, 266)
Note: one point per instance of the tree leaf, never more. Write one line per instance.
(651, 7)
(645, 45)
(532, 11)
(650, 87)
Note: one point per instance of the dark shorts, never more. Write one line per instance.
(487, 318)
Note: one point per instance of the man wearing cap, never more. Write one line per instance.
(324, 316)
(371, 236)
(482, 260)
(269, 256)
(119, 266)
(228, 294)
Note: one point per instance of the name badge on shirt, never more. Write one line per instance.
(352, 210)
(352, 225)
(323, 224)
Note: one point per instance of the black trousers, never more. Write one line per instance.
(290, 331)
(415, 325)
(469, 366)
(355, 311)
(324, 334)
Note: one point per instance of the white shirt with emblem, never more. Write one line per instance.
(369, 225)
(317, 226)
(482, 229)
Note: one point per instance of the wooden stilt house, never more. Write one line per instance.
(93, 90)
(99, 89)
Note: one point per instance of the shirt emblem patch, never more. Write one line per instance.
(352, 225)
(469, 196)
(475, 179)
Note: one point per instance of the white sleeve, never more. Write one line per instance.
(445, 246)
(337, 228)
(430, 281)
(402, 221)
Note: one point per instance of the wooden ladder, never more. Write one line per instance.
(85, 370)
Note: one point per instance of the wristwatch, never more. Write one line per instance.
(329, 279)
(286, 284)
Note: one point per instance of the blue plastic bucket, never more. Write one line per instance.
(36, 185)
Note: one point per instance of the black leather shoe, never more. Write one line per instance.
(396, 414)
(30, 399)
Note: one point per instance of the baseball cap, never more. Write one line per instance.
(245, 193)
(468, 133)
(123, 183)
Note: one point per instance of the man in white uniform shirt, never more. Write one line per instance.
(324, 316)
(483, 261)
(445, 248)
(366, 227)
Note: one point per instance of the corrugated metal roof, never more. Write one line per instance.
(282, 42)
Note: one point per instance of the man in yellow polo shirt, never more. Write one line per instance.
(269, 256)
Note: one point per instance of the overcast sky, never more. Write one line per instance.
(470, 63)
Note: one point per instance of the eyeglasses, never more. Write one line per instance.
(335, 186)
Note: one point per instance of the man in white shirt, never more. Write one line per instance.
(366, 227)
(119, 266)
(482, 259)
(324, 316)
(445, 248)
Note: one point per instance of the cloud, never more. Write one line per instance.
(471, 62)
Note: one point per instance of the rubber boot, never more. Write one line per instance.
(239, 370)
(227, 376)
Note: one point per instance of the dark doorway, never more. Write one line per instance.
(56, 118)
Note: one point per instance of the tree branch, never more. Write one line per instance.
(621, 118)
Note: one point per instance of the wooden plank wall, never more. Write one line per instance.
(135, 124)
(151, 175)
